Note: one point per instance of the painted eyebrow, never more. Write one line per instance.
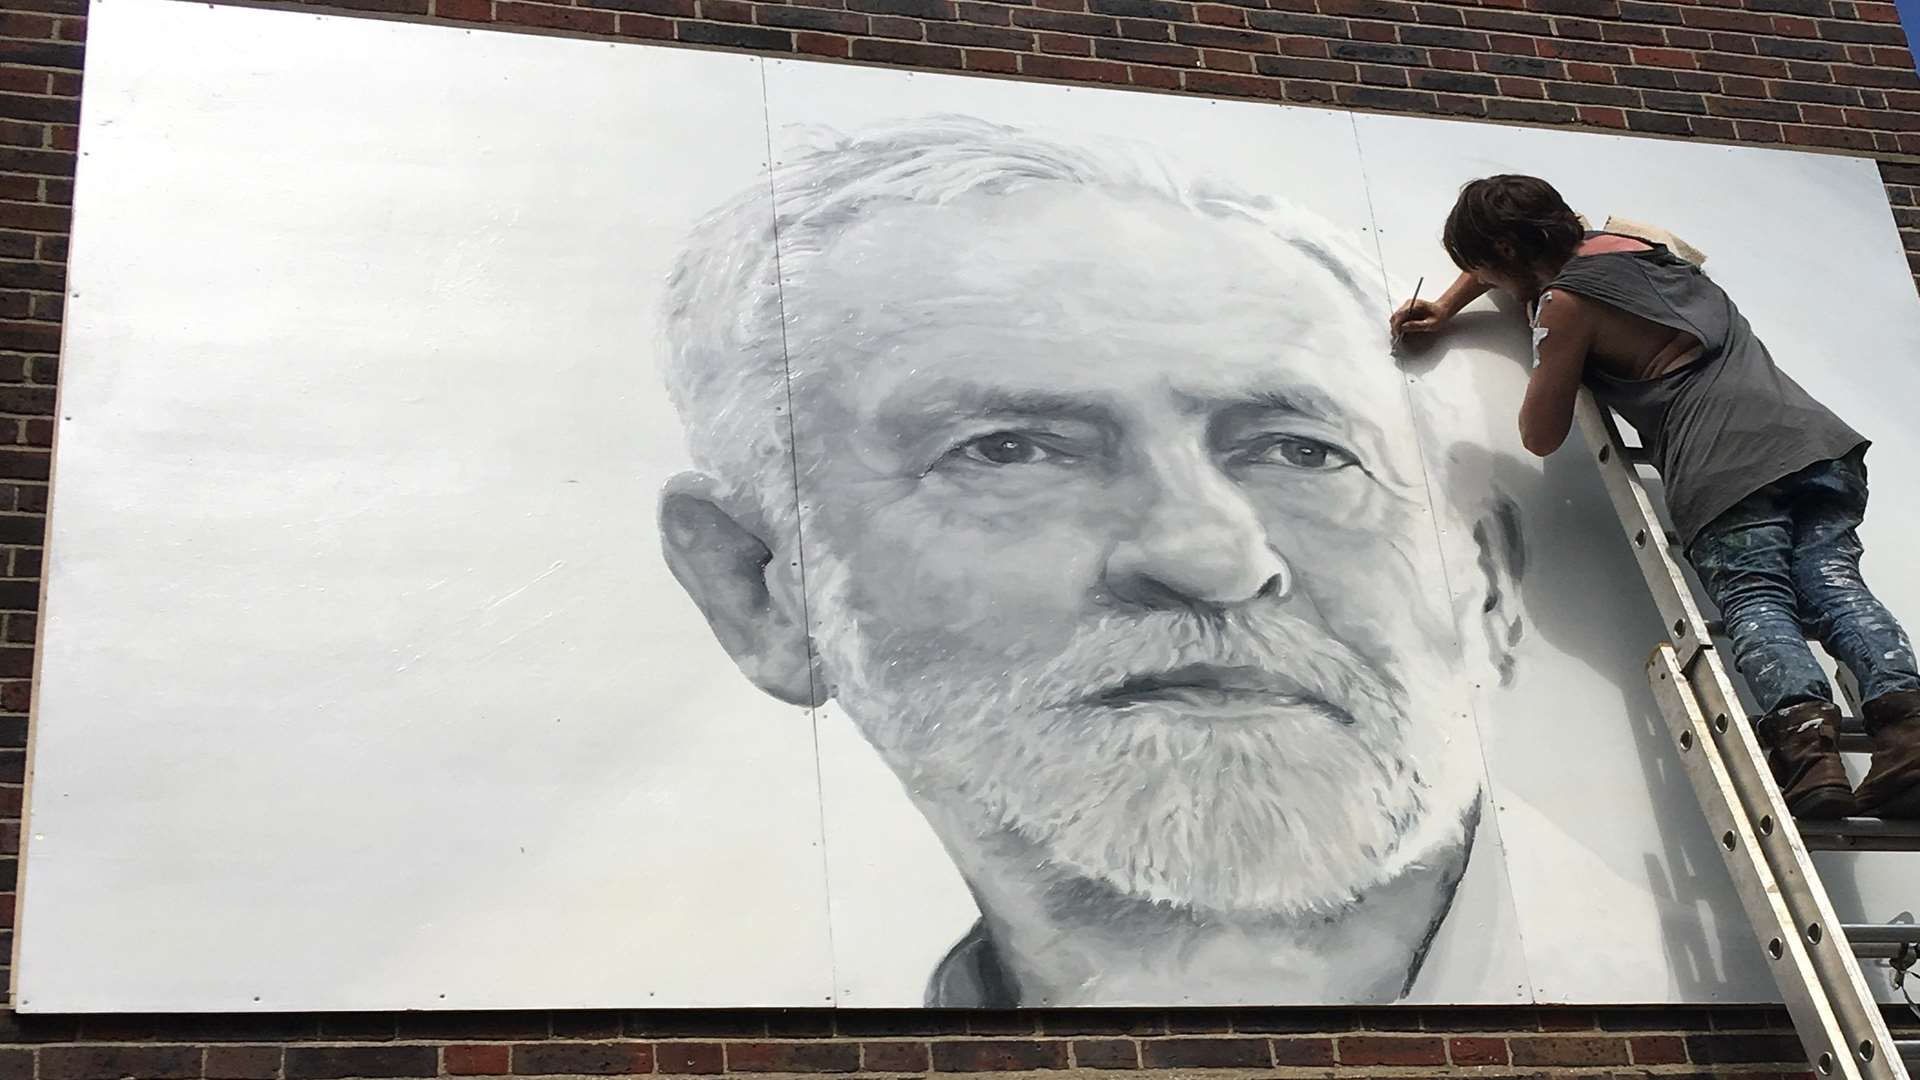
(1306, 401)
(958, 400)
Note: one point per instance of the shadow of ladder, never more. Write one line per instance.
(1814, 957)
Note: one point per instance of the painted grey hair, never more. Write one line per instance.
(726, 366)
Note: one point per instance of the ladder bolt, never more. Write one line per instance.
(1606, 452)
(1640, 538)
(1866, 1049)
(1813, 933)
(1766, 824)
(1726, 839)
(1686, 741)
(1775, 949)
(1720, 723)
(1824, 1064)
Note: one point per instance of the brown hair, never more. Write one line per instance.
(1511, 224)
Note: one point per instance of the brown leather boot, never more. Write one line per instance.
(1891, 788)
(1803, 750)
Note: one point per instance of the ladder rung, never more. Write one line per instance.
(1880, 941)
(1882, 933)
(1860, 834)
(1639, 455)
(1908, 1049)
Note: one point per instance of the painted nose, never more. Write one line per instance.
(1199, 544)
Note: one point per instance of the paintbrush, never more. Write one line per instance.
(1399, 336)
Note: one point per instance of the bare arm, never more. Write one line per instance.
(1428, 316)
(1562, 335)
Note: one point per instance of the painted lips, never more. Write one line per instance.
(1212, 688)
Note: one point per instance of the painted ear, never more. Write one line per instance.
(1503, 561)
(725, 563)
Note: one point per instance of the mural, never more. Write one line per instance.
(852, 537)
(1113, 536)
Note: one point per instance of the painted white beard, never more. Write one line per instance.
(1296, 814)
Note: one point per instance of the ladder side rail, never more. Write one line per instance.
(1772, 873)
(1823, 1032)
(1818, 928)
(1685, 625)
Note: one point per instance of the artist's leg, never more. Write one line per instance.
(1744, 557)
(1859, 631)
(1829, 503)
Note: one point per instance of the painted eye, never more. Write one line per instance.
(1299, 452)
(1002, 448)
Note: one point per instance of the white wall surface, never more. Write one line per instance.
(364, 684)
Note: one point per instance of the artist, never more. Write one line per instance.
(1117, 548)
(1766, 485)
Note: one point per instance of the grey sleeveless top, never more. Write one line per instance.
(1725, 425)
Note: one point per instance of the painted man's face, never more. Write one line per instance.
(1117, 541)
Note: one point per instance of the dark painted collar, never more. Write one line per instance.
(971, 976)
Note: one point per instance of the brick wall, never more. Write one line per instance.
(1813, 73)
(1752, 1044)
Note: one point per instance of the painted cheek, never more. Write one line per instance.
(937, 587)
(1363, 584)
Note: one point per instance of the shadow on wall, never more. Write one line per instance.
(1578, 554)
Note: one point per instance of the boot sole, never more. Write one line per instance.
(1827, 803)
(1903, 805)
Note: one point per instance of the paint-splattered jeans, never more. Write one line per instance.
(1784, 564)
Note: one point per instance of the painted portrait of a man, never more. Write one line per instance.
(1114, 540)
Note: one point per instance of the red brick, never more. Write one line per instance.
(1064, 44)
(814, 44)
(655, 28)
(554, 18)
(582, 1059)
(1668, 58)
(690, 1057)
(1602, 116)
(1308, 1051)
(999, 1055)
(1069, 68)
(987, 60)
(1206, 1054)
(1106, 1054)
(473, 1059)
(1568, 1050)
(793, 1057)
(116, 1062)
(1158, 78)
(333, 1062)
(1471, 1050)
(1392, 1050)
(896, 1057)
(1657, 1050)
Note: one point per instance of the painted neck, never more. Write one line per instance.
(1067, 941)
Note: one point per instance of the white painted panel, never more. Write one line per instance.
(365, 685)
(1619, 887)
(964, 587)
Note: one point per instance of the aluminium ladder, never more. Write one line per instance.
(1811, 953)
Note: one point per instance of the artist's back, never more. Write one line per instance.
(1675, 357)
(1625, 345)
